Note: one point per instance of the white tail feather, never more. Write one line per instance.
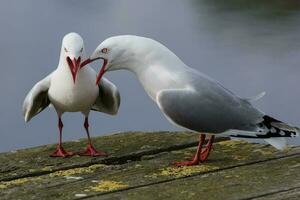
(277, 142)
(257, 97)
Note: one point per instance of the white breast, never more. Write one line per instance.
(159, 77)
(69, 97)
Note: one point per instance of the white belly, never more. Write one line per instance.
(69, 97)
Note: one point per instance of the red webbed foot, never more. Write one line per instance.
(60, 152)
(91, 151)
(201, 154)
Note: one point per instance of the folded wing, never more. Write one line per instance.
(207, 112)
(37, 99)
(108, 100)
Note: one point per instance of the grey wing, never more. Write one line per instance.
(37, 99)
(208, 112)
(108, 100)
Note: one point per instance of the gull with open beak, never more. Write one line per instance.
(189, 98)
(71, 88)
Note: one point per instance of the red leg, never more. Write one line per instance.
(201, 155)
(208, 147)
(197, 157)
(60, 152)
(90, 150)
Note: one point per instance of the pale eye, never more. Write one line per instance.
(66, 50)
(104, 50)
(81, 49)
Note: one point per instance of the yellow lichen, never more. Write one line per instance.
(264, 152)
(79, 170)
(63, 173)
(16, 182)
(182, 171)
(106, 186)
(237, 157)
(232, 143)
(47, 168)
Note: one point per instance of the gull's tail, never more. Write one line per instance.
(273, 132)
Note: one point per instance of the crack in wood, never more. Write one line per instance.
(271, 193)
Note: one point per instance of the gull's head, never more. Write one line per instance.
(72, 52)
(130, 52)
(102, 52)
(113, 51)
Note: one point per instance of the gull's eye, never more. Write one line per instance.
(104, 50)
(81, 50)
(66, 50)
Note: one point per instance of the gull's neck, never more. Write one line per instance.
(156, 67)
(141, 60)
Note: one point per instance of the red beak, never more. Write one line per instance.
(84, 63)
(102, 71)
(74, 66)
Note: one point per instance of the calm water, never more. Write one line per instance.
(248, 47)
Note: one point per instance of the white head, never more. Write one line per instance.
(72, 52)
(127, 51)
(112, 51)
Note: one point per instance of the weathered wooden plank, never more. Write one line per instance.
(288, 194)
(36, 161)
(245, 182)
(147, 170)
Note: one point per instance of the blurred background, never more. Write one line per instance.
(248, 46)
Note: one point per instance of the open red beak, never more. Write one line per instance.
(74, 66)
(101, 72)
(86, 62)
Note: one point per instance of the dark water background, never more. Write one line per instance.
(249, 46)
